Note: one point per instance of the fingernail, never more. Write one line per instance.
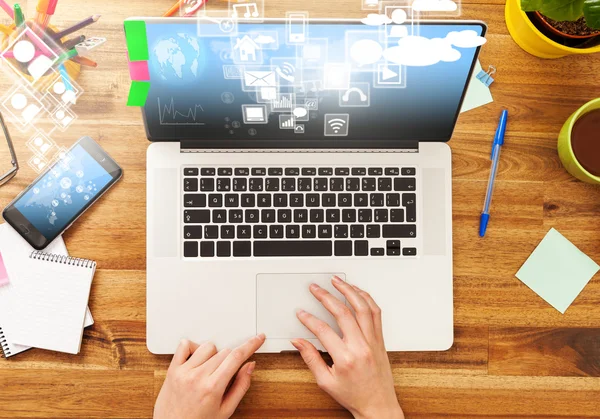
(314, 287)
(261, 336)
(337, 279)
(300, 312)
(250, 369)
(297, 344)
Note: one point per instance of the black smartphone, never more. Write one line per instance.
(62, 193)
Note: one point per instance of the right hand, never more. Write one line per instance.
(361, 377)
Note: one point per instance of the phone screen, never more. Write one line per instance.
(57, 197)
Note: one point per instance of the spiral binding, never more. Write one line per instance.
(4, 349)
(66, 260)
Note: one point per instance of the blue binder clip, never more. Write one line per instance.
(486, 76)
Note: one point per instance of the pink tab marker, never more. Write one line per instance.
(138, 70)
(3, 274)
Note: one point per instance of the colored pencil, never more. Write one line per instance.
(45, 17)
(77, 26)
(70, 44)
(174, 9)
(9, 11)
(66, 56)
(85, 61)
(19, 18)
(65, 77)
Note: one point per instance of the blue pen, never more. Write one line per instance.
(496, 147)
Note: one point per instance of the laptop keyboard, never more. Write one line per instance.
(299, 211)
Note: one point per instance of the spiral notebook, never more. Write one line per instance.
(47, 300)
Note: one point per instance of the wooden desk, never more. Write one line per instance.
(514, 355)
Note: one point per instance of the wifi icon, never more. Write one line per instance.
(336, 125)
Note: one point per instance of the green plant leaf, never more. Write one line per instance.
(531, 5)
(562, 9)
(591, 11)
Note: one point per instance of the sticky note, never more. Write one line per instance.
(137, 40)
(557, 270)
(138, 93)
(3, 274)
(138, 70)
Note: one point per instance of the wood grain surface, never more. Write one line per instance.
(514, 356)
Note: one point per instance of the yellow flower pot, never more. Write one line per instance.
(565, 151)
(528, 37)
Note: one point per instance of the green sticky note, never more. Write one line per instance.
(557, 270)
(137, 40)
(138, 93)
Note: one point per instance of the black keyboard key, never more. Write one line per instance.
(206, 171)
(232, 200)
(280, 200)
(275, 171)
(397, 215)
(393, 247)
(336, 184)
(309, 231)
(252, 216)
(227, 232)
(242, 249)
(325, 231)
(328, 200)
(225, 171)
(207, 249)
(313, 200)
(381, 215)
(194, 200)
(272, 184)
(342, 171)
(236, 216)
(304, 184)
(248, 200)
(215, 200)
(267, 216)
(244, 232)
(207, 184)
(352, 184)
(369, 184)
(320, 184)
(276, 232)
(365, 215)
(408, 171)
(377, 200)
(258, 171)
(344, 200)
(224, 249)
(292, 231)
(296, 200)
(392, 199)
(409, 200)
(343, 248)
(196, 216)
(357, 231)
(384, 184)
(361, 248)
(400, 231)
(211, 232)
(325, 171)
(405, 184)
(255, 184)
(288, 184)
(392, 171)
(359, 171)
(284, 216)
(340, 231)
(300, 216)
(260, 232)
(219, 216)
(191, 171)
(378, 251)
(190, 184)
(292, 248)
(264, 200)
(292, 171)
(332, 215)
(361, 200)
(317, 216)
(192, 232)
(223, 184)
(309, 171)
(373, 231)
(375, 171)
(393, 251)
(240, 184)
(409, 251)
(190, 249)
(241, 171)
(349, 215)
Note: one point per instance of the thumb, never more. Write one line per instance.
(238, 389)
(313, 360)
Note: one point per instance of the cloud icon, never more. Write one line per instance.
(264, 39)
(417, 51)
(434, 6)
(366, 51)
(465, 39)
(373, 19)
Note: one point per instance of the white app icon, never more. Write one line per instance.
(336, 125)
(22, 105)
(260, 78)
(37, 163)
(40, 144)
(255, 114)
(389, 74)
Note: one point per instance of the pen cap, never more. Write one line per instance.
(502, 127)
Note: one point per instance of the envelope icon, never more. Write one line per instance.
(260, 79)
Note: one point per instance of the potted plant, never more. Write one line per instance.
(554, 28)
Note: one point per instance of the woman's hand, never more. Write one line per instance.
(361, 377)
(198, 377)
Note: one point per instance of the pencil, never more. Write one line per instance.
(174, 9)
(19, 18)
(7, 9)
(77, 26)
(88, 62)
(70, 44)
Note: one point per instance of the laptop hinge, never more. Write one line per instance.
(223, 146)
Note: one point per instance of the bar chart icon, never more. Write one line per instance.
(286, 122)
(285, 102)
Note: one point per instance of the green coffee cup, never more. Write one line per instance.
(565, 150)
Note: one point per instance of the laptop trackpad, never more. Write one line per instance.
(279, 296)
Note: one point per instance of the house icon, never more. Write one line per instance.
(246, 48)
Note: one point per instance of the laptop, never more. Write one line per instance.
(284, 152)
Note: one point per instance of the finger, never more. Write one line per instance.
(342, 314)
(236, 358)
(204, 352)
(238, 389)
(362, 309)
(313, 360)
(212, 364)
(375, 313)
(183, 352)
(330, 340)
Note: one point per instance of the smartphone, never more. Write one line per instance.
(296, 28)
(59, 196)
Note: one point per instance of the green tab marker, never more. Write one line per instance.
(138, 93)
(137, 40)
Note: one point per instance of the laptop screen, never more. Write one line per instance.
(321, 84)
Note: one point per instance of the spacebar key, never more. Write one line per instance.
(293, 248)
